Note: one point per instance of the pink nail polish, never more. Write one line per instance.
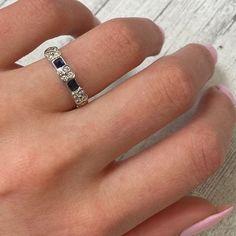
(227, 92)
(207, 223)
(162, 32)
(212, 51)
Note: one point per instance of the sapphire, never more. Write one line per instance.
(72, 84)
(59, 63)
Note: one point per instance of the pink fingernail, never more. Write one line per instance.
(227, 92)
(207, 223)
(212, 51)
(162, 32)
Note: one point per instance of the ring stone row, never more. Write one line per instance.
(65, 73)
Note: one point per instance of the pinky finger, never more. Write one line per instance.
(187, 217)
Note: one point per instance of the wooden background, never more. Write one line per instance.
(184, 21)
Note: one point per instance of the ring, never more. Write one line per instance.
(65, 73)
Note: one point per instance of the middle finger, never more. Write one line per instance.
(145, 103)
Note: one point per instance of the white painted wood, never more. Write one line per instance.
(205, 21)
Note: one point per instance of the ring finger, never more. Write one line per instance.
(99, 57)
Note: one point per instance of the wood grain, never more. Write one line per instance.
(185, 21)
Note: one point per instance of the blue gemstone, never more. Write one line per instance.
(72, 84)
(59, 63)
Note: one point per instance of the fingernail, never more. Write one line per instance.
(212, 51)
(162, 32)
(207, 223)
(227, 92)
(96, 21)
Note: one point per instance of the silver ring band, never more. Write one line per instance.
(65, 73)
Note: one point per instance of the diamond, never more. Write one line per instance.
(64, 78)
(52, 53)
(60, 73)
(71, 75)
(66, 68)
(80, 96)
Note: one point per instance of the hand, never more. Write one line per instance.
(58, 173)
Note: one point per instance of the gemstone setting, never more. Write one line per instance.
(72, 85)
(80, 97)
(59, 62)
(71, 75)
(52, 53)
(65, 73)
(66, 69)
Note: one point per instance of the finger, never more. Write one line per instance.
(48, 19)
(146, 102)
(151, 181)
(99, 57)
(182, 215)
(14, 66)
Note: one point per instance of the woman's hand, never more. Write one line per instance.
(58, 175)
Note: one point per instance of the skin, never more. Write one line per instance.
(58, 174)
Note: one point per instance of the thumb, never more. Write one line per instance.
(187, 217)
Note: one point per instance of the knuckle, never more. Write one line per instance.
(207, 152)
(177, 84)
(124, 38)
(6, 187)
(51, 10)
